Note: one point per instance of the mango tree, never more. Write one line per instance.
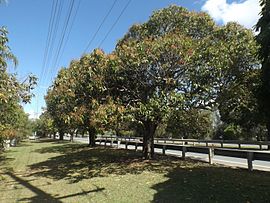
(168, 63)
(90, 90)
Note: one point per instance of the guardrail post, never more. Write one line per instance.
(136, 146)
(239, 145)
(99, 141)
(211, 155)
(111, 141)
(221, 144)
(163, 149)
(260, 147)
(249, 160)
(206, 144)
(126, 144)
(105, 141)
(184, 149)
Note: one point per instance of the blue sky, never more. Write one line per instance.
(27, 22)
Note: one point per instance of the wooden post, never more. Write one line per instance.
(111, 141)
(126, 144)
(211, 155)
(105, 141)
(99, 141)
(239, 145)
(206, 144)
(249, 160)
(136, 146)
(184, 149)
(163, 149)
(260, 146)
(221, 144)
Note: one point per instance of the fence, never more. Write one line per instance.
(136, 142)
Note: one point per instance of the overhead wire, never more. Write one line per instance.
(69, 30)
(53, 10)
(55, 16)
(116, 21)
(53, 37)
(47, 45)
(62, 35)
(100, 25)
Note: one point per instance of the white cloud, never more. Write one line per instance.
(244, 12)
(32, 114)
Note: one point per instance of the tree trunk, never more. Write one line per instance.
(61, 135)
(117, 133)
(148, 140)
(268, 133)
(71, 136)
(92, 134)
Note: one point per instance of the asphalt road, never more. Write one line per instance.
(228, 161)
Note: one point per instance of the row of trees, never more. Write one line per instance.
(174, 71)
(13, 120)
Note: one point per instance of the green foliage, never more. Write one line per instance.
(176, 66)
(238, 103)
(263, 39)
(13, 120)
(191, 123)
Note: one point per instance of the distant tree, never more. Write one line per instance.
(44, 126)
(238, 104)
(263, 38)
(191, 123)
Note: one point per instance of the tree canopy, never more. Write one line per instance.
(178, 63)
(13, 120)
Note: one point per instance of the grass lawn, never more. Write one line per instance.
(51, 171)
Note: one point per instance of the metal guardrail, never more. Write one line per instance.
(206, 143)
(246, 154)
(221, 143)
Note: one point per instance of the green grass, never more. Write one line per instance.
(49, 171)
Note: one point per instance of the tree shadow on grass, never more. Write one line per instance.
(42, 196)
(213, 184)
(77, 162)
(4, 159)
(49, 140)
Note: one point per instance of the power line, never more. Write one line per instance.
(48, 41)
(113, 25)
(63, 35)
(69, 30)
(101, 24)
(53, 35)
(52, 16)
